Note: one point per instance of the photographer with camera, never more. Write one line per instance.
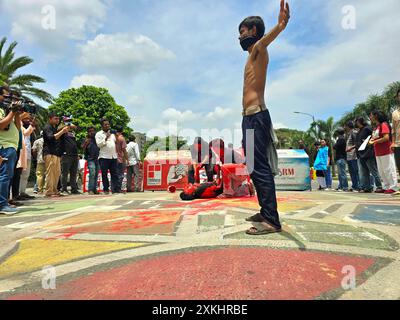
(10, 125)
(52, 154)
(69, 158)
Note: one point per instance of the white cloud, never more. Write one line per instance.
(335, 75)
(93, 80)
(123, 54)
(172, 114)
(219, 114)
(73, 20)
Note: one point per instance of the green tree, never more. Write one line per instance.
(170, 143)
(24, 83)
(88, 105)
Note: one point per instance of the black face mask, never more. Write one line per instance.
(247, 42)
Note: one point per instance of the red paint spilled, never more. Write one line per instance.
(220, 274)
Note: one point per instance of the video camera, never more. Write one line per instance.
(67, 120)
(10, 103)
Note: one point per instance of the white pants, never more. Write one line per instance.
(24, 177)
(387, 171)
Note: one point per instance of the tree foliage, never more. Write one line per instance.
(384, 102)
(88, 105)
(23, 83)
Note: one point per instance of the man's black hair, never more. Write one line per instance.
(119, 129)
(52, 115)
(362, 121)
(90, 128)
(104, 120)
(340, 132)
(254, 21)
(132, 138)
(350, 124)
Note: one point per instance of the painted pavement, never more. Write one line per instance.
(148, 246)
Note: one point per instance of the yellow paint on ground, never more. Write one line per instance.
(34, 254)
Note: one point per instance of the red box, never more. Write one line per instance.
(166, 168)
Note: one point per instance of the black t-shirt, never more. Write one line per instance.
(361, 136)
(68, 145)
(92, 151)
(51, 146)
(340, 148)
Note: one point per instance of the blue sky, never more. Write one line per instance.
(181, 60)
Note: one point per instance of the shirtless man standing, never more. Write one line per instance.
(256, 117)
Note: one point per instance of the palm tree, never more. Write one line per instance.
(23, 83)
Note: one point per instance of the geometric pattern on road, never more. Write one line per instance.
(197, 250)
(34, 254)
(238, 274)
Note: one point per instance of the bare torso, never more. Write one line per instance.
(255, 78)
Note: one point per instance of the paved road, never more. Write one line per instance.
(154, 246)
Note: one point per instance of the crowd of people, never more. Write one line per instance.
(56, 156)
(370, 151)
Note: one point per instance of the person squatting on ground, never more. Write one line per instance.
(92, 152)
(257, 122)
(10, 125)
(108, 157)
(369, 175)
(200, 153)
(133, 169)
(382, 142)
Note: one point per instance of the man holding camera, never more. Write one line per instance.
(52, 154)
(10, 125)
(69, 159)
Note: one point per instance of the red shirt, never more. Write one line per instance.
(382, 149)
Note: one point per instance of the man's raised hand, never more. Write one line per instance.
(284, 15)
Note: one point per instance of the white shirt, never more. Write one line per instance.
(107, 148)
(133, 153)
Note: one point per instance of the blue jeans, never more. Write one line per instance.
(94, 169)
(6, 173)
(368, 168)
(105, 165)
(258, 164)
(328, 177)
(343, 184)
(353, 170)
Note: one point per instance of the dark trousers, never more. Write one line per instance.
(209, 170)
(354, 174)
(69, 166)
(109, 165)
(258, 164)
(121, 174)
(133, 172)
(94, 169)
(397, 157)
(368, 169)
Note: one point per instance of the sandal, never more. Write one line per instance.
(256, 218)
(258, 232)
